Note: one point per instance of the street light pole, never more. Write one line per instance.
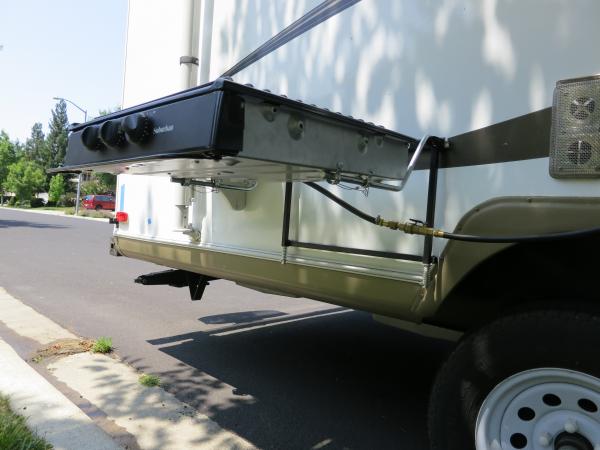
(80, 173)
(75, 105)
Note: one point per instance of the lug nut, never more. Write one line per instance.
(495, 445)
(545, 439)
(571, 426)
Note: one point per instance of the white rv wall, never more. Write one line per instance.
(421, 67)
(158, 34)
(438, 67)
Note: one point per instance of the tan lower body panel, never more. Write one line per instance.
(518, 216)
(394, 298)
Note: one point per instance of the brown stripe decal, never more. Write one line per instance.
(521, 138)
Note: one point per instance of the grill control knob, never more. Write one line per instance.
(91, 138)
(111, 133)
(138, 128)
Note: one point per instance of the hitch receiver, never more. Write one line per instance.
(178, 278)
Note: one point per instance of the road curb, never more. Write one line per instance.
(47, 411)
(53, 213)
(154, 418)
(27, 322)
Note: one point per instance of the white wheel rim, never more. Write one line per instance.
(529, 410)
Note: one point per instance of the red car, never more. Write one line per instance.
(99, 202)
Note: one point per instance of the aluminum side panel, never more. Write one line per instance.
(378, 295)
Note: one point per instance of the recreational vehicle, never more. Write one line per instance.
(435, 163)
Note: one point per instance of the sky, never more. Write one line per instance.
(61, 48)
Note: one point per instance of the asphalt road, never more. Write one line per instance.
(334, 379)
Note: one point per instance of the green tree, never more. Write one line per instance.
(104, 112)
(35, 146)
(91, 187)
(7, 157)
(24, 179)
(19, 149)
(99, 183)
(56, 140)
(57, 188)
(107, 181)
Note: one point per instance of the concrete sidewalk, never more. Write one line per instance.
(52, 213)
(49, 413)
(154, 418)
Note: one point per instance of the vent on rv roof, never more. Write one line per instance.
(575, 137)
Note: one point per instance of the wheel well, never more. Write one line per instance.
(520, 277)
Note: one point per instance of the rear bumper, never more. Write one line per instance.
(377, 295)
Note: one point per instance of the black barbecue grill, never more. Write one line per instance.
(225, 130)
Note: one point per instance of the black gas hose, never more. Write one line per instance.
(418, 228)
(342, 203)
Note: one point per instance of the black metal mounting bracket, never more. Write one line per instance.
(178, 278)
(434, 145)
(189, 60)
(114, 249)
(197, 284)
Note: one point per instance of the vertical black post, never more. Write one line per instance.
(434, 156)
(287, 206)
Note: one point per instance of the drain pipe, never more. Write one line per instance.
(188, 64)
(190, 34)
(206, 36)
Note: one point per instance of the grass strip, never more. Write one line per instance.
(149, 380)
(14, 434)
(102, 345)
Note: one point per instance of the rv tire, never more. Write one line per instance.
(534, 348)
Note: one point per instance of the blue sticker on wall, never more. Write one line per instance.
(122, 198)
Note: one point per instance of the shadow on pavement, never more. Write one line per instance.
(335, 381)
(5, 223)
(240, 317)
